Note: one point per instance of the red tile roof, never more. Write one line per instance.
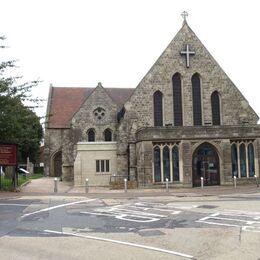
(65, 102)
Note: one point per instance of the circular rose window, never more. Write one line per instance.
(99, 113)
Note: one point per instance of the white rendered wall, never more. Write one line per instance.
(85, 162)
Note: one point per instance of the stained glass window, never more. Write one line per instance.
(215, 107)
(157, 164)
(177, 99)
(234, 160)
(158, 108)
(251, 160)
(166, 163)
(91, 135)
(175, 163)
(108, 135)
(242, 160)
(196, 99)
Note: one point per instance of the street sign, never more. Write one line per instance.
(8, 154)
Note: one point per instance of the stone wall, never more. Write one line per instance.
(53, 143)
(85, 118)
(186, 151)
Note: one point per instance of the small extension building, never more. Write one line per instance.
(185, 120)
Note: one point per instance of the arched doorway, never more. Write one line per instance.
(57, 161)
(205, 164)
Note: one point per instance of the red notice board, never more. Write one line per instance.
(8, 154)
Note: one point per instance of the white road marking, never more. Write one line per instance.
(126, 214)
(163, 206)
(251, 229)
(117, 208)
(173, 212)
(242, 219)
(185, 207)
(241, 213)
(55, 207)
(122, 243)
(140, 214)
(217, 224)
(127, 217)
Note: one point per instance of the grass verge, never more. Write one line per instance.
(6, 183)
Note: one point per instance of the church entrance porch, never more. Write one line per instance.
(205, 164)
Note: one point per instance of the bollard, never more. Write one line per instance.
(201, 182)
(256, 180)
(235, 181)
(55, 184)
(167, 185)
(86, 186)
(125, 180)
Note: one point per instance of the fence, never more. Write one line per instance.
(8, 180)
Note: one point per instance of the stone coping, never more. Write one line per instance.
(198, 132)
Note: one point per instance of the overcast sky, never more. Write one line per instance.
(78, 43)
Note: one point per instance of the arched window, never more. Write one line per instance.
(175, 163)
(196, 99)
(177, 99)
(251, 160)
(234, 160)
(242, 150)
(108, 135)
(91, 135)
(215, 107)
(158, 108)
(166, 163)
(157, 164)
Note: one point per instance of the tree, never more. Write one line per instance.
(18, 122)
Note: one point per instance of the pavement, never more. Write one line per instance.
(45, 186)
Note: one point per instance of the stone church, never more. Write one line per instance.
(185, 120)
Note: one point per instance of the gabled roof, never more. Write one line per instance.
(64, 102)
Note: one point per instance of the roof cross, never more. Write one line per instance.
(187, 52)
(184, 15)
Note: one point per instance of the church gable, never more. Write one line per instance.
(188, 63)
(97, 114)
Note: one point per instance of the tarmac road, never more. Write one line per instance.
(216, 223)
